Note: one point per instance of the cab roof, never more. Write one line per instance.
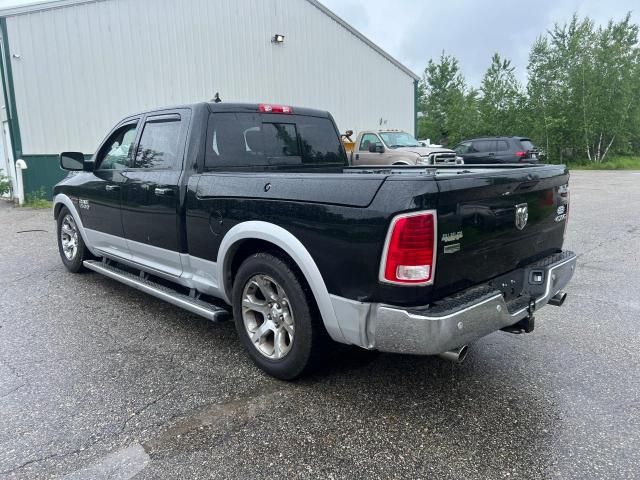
(236, 107)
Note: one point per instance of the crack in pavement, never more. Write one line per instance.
(12, 390)
(149, 405)
(94, 442)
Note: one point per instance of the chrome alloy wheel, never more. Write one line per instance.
(69, 237)
(267, 316)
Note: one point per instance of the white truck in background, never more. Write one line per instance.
(396, 147)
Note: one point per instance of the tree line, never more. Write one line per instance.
(581, 100)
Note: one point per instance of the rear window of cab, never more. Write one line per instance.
(240, 140)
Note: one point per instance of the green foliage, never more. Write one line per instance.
(612, 163)
(581, 99)
(5, 184)
(37, 199)
(448, 106)
(502, 100)
(583, 86)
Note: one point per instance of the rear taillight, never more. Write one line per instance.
(521, 154)
(565, 193)
(409, 255)
(268, 108)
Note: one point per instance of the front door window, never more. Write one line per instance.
(116, 152)
(369, 139)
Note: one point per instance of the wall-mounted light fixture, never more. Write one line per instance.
(278, 38)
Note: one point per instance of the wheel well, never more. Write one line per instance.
(401, 163)
(56, 210)
(243, 249)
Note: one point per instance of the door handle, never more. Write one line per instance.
(112, 188)
(163, 191)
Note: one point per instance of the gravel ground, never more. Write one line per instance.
(98, 380)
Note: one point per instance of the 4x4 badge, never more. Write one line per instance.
(522, 215)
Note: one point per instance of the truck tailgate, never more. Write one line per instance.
(492, 222)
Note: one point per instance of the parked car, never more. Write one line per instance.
(251, 211)
(427, 143)
(395, 147)
(497, 150)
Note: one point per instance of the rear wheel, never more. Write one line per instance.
(276, 318)
(72, 249)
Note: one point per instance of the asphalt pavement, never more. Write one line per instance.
(98, 380)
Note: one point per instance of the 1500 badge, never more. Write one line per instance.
(84, 204)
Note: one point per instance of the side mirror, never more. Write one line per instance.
(74, 161)
(376, 148)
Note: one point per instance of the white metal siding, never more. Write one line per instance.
(83, 67)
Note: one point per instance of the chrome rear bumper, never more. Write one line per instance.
(464, 318)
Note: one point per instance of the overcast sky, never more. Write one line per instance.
(413, 31)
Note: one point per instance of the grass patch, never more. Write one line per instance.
(37, 199)
(38, 203)
(610, 163)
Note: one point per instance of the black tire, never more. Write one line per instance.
(73, 264)
(310, 338)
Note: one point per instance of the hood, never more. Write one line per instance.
(422, 151)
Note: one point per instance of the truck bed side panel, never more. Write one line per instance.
(332, 215)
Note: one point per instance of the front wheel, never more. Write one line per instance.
(276, 318)
(72, 249)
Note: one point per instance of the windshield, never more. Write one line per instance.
(399, 139)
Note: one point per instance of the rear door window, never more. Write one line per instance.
(502, 146)
(484, 146)
(159, 145)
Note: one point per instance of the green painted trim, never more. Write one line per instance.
(415, 108)
(42, 173)
(9, 92)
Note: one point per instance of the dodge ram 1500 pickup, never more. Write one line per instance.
(251, 211)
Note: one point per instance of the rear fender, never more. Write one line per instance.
(286, 241)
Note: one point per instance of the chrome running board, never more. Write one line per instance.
(144, 284)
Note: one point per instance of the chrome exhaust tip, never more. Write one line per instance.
(456, 355)
(558, 299)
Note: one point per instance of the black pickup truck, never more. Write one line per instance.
(251, 211)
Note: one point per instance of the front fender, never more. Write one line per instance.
(63, 199)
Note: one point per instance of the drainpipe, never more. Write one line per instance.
(20, 166)
(415, 108)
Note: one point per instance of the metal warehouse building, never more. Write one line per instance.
(72, 68)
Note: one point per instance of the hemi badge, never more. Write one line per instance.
(453, 248)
